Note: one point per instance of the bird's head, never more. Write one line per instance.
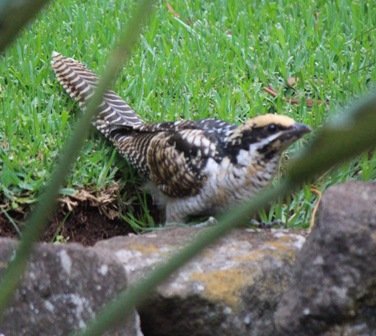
(268, 134)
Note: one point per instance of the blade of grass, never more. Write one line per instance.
(47, 201)
(14, 15)
(11, 220)
(332, 145)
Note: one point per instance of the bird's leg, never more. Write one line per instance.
(209, 222)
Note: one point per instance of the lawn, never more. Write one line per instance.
(197, 59)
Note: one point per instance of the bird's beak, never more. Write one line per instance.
(293, 133)
(299, 130)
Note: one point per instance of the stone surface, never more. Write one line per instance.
(63, 288)
(232, 288)
(333, 291)
(252, 282)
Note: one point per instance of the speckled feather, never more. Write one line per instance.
(195, 167)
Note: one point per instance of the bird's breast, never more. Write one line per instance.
(229, 183)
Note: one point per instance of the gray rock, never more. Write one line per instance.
(232, 288)
(63, 288)
(333, 291)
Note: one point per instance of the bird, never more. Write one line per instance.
(191, 167)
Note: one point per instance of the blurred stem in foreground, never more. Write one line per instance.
(335, 143)
(14, 15)
(47, 202)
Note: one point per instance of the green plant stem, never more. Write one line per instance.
(350, 134)
(332, 145)
(47, 201)
(14, 15)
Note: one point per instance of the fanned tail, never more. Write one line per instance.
(80, 83)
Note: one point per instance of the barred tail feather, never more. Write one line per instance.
(80, 83)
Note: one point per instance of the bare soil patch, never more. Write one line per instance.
(85, 218)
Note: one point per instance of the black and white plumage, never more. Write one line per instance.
(194, 167)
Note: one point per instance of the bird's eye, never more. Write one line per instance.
(272, 128)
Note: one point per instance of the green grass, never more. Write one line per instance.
(212, 61)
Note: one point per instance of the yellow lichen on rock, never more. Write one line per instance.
(224, 285)
(146, 249)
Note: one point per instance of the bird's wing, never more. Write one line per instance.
(217, 127)
(80, 84)
(193, 141)
(176, 161)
